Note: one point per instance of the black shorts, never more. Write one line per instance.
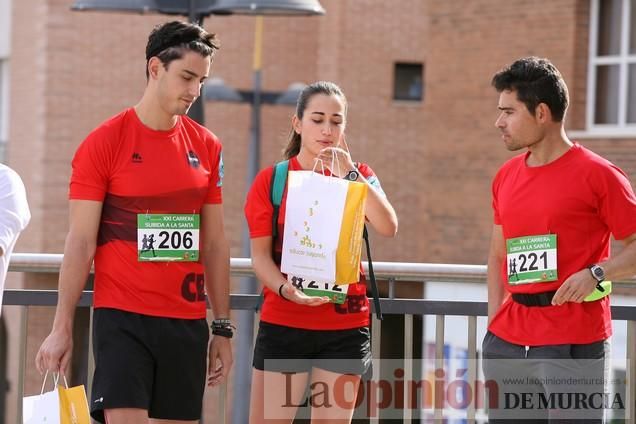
(286, 349)
(153, 363)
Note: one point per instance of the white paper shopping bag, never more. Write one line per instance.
(43, 408)
(62, 405)
(313, 218)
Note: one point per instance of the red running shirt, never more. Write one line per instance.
(133, 169)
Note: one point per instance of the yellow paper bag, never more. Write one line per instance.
(73, 405)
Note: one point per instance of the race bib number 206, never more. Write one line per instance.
(532, 259)
(168, 237)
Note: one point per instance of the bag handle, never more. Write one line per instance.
(322, 166)
(56, 379)
(335, 163)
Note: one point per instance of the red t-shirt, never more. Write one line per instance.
(353, 313)
(133, 170)
(582, 198)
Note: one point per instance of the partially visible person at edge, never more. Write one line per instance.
(14, 217)
(548, 309)
(317, 340)
(150, 165)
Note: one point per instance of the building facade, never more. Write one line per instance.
(421, 109)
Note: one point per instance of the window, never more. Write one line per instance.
(612, 66)
(408, 84)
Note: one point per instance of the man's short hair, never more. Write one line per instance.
(171, 40)
(536, 80)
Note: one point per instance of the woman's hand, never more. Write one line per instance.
(337, 158)
(291, 293)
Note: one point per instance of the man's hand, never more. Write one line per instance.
(576, 288)
(55, 352)
(220, 360)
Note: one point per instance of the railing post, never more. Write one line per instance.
(376, 335)
(472, 366)
(631, 372)
(408, 367)
(391, 288)
(22, 364)
(222, 398)
(439, 366)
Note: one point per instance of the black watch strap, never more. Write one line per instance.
(352, 175)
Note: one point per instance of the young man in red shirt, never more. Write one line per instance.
(555, 207)
(145, 204)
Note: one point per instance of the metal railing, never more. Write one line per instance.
(393, 272)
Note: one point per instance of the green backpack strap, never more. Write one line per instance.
(279, 181)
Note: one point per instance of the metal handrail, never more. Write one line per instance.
(51, 262)
(397, 271)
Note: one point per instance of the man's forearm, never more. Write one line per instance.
(496, 290)
(76, 265)
(217, 278)
(622, 265)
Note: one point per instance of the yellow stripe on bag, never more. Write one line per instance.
(350, 240)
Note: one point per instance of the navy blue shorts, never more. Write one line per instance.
(153, 363)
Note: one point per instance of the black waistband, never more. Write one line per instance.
(535, 299)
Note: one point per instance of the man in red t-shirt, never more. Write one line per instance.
(145, 205)
(549, 267)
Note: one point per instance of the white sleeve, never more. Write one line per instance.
(14, 209)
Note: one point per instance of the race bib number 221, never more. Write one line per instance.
(532, 259)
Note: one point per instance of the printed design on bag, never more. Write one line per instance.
(306, 239)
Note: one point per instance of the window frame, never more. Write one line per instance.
(623, 59)
(413, 101)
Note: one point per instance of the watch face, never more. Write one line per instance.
(598, 272)
(352, 175)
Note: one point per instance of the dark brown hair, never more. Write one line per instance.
(171, 40)
(320, 87)
(536, 81)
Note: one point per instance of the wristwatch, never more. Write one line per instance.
(597, 272)
(352, 175)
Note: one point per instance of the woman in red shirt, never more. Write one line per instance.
(306, 339)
